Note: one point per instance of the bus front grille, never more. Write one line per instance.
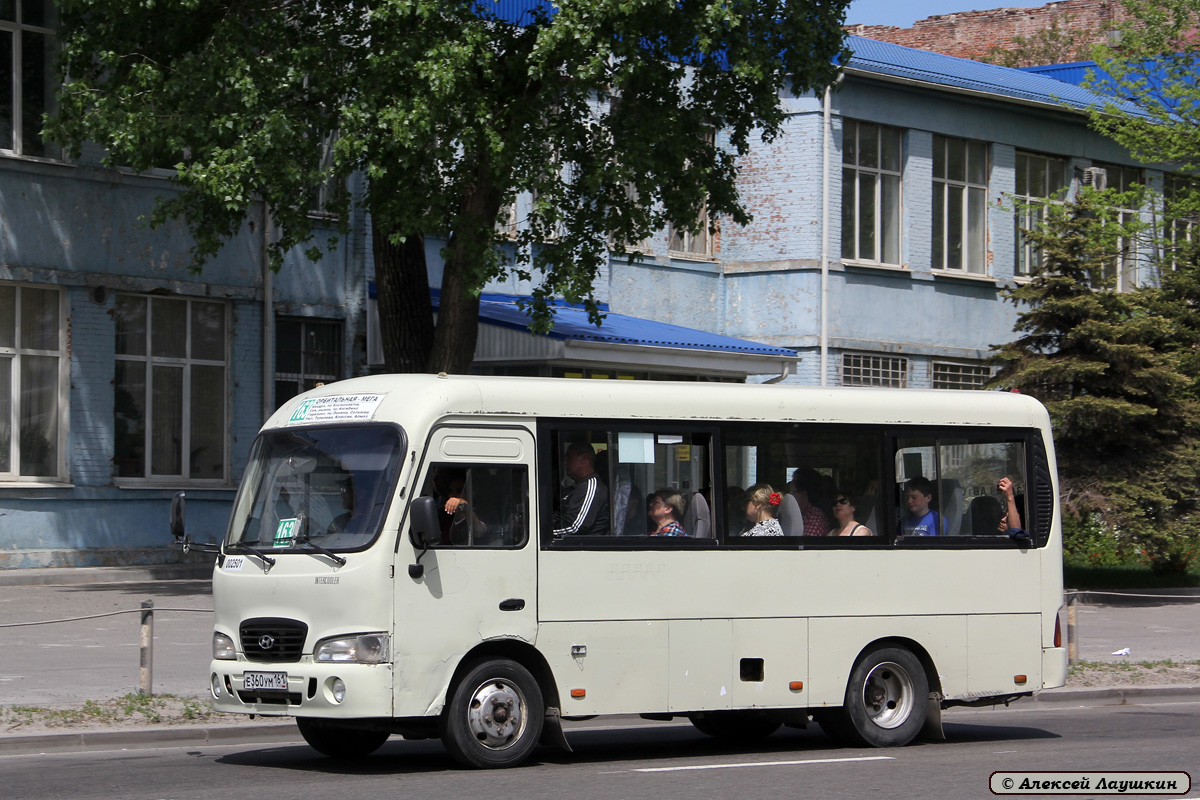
(270, 639)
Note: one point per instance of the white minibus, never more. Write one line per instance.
(478, 559)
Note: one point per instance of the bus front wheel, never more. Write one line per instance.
(886, 699)
(495, 715)
(336, 741)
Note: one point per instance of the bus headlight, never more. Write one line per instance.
(370, 648)
(223, 648)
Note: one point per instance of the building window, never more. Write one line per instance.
(871, 166)
(948, 375)
(867, 370)
(1122, 272)
(32, 382)
(169, 407)
(686, 243)
(960, 172)
(1179, 192)
(308, 353)
(1040, 180)
(27, 51)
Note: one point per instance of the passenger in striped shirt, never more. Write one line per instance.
(584, 508)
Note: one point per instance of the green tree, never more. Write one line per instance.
(597, 107)
(1109, 367)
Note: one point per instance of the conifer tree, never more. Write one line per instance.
(1107, 365)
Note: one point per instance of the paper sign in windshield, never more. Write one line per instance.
(336, 408)
(285, 534)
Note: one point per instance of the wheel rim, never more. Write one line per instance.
(496, 714)
(888, 695)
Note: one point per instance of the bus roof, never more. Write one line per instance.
(414, 399)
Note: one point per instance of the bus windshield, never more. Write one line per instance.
(329, 485)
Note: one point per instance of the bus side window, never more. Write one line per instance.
(480, 505)
(918, 501)
(977, 469)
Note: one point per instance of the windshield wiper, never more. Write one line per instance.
(307, 542)
(268, 562)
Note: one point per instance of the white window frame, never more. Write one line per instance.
(1123, 272)
(10, 358)
(874, 369)
(15, 28)
(187, 363)
(973, 261)
(853, 176)
(1179, 231)
(960, 375)
(1031, 206)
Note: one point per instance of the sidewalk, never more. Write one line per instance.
(67, 663)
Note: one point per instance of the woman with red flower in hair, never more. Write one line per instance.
(762, 508)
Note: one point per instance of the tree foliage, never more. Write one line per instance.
(1111, 368)
(598, 108)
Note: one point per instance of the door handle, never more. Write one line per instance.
(512, 604)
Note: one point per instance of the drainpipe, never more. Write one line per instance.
(268, 321)
(828, 135)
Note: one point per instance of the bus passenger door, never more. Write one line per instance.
(479, 581)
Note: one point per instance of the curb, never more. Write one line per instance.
(76, 576)
(1120, 695)
(276, 733)
(148, 738)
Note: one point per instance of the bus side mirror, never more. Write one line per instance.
(425, 530)
(177, 526)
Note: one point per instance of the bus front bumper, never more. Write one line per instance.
(303, 688)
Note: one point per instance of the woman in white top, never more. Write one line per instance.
(762, 506)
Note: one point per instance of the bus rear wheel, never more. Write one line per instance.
(494, 718)
(886, 699)
(735, 725)
(337, 741)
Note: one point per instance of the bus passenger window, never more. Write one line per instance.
(613, 482)
(479, 505)
(955, 486)
(991, 479)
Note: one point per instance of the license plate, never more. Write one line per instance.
(266, 680)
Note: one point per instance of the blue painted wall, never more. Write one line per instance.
(80, 228)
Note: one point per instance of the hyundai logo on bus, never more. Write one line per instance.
(266, 642)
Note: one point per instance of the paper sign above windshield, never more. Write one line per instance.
(336, 408)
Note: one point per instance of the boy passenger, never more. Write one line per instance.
(584, 508)
(920, 520)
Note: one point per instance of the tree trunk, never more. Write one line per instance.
(457, 329)
(405, 310)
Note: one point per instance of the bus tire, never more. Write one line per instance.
(495, 715)
(337, 741)
(886, 699)
(735, 725)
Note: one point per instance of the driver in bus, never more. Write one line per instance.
(584, 508)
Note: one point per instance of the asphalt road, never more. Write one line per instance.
(98, 659)
(646, 761)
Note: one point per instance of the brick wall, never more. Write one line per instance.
(973, 34)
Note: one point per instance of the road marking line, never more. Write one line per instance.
(768, 764)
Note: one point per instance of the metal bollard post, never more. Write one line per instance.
(146, 676)
(1072, 632)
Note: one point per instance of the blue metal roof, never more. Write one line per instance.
(1073, 73)
(571, 324)
(895, 60)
